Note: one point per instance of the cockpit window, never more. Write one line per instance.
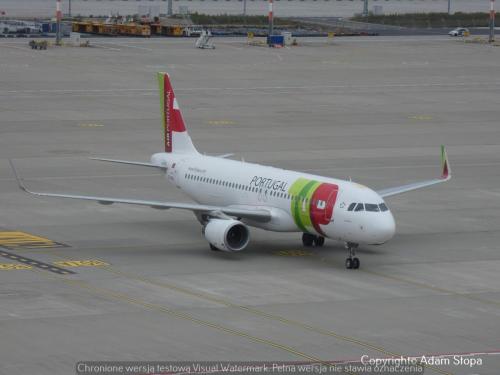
(360, 207)
(371, 207)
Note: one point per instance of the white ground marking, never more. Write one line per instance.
(102, 46)
(127, 45)
(256, 88)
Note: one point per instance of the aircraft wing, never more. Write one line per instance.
(248, 213)
(445, 176)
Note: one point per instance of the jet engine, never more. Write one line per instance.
(227, 235)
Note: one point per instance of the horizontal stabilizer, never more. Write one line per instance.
(130, 162)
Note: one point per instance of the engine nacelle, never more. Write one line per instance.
(227, 235)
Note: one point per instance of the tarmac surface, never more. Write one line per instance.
(142, 284)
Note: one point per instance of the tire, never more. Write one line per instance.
(319, 241)
(307, 239)
(348, 263)
(355, 263)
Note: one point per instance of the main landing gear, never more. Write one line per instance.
(309, 240)
(352, 262)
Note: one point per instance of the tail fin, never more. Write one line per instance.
(175, 134)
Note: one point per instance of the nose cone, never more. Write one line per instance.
(385, 228)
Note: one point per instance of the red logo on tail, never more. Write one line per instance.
(168, 128)
(173, 116)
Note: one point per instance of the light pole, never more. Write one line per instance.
(58, 19)
(449, 6)
(244, 7)
(365, 8)
(270, 18)
(492, 21)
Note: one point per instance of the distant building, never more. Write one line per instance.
(341, 8)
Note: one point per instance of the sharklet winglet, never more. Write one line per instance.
(19, 180)
(445, 171)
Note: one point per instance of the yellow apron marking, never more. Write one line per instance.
(14, 266)
(420, 117)
(279, 318)
(81, 263)
(15, 239)
(217, 299)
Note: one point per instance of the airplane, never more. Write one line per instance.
(233, 195)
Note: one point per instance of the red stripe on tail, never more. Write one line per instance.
(172, 108)
(173, 116)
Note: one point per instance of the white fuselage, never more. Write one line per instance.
(299, 202)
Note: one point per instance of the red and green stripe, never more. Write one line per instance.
(307, 213)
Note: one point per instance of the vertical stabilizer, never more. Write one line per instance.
(175, 135)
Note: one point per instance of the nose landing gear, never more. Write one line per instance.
(352, 262)
(309, 240)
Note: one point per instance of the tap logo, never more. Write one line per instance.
(172, 117)
(168, 129)
(312, 205)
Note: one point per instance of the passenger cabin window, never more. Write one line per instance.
(383, 207)
(371, 207)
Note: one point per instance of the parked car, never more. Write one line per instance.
(459, 31)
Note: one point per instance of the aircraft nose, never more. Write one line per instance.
(386, 228)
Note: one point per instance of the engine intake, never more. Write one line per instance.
(227, 235)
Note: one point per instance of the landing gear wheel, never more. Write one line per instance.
(213, 248)
(319, 241)
(352, 262)
(348, 263)
(308, 239)
(355, 263)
